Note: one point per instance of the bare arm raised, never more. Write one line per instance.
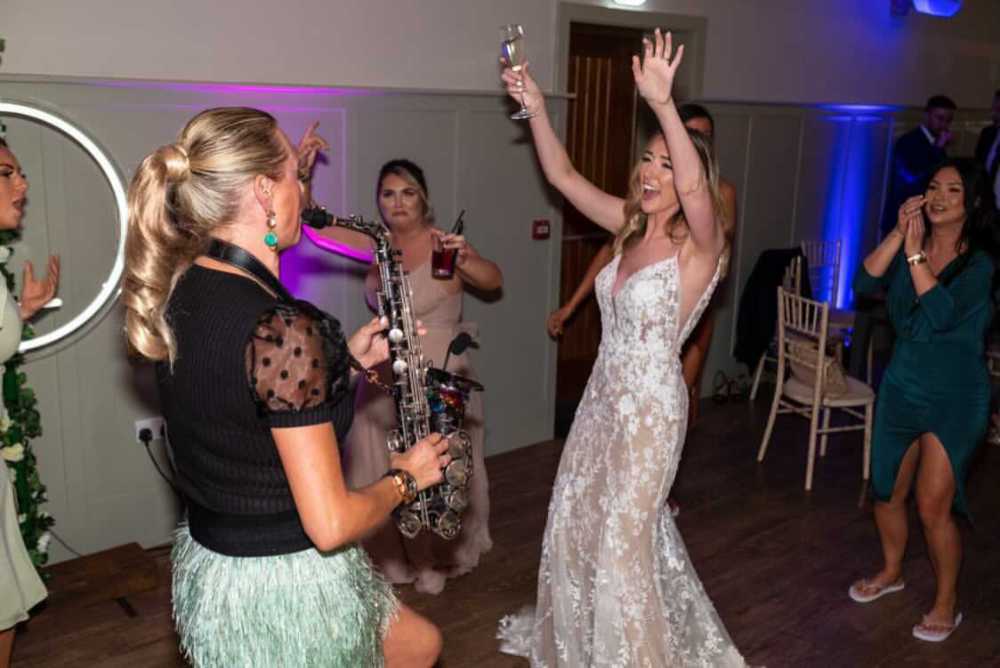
(654, 78)
(340, 240)
(606, 210)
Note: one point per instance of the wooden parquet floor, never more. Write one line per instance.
(776, 561)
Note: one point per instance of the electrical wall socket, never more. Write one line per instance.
(156, 425)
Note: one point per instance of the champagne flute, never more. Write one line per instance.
(512, 53)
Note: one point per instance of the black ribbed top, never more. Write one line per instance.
(246, 363)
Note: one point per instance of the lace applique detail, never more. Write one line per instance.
(616, 586)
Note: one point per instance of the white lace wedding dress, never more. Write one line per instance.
(616, 587)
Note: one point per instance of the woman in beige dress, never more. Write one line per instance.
(20, 587)
(426, 560)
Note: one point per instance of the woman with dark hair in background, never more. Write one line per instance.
(20, 587)
(404, 205)
(254, 389)
(934, 398)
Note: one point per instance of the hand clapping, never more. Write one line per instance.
(914, 242)
(37, 293)
(910, 224)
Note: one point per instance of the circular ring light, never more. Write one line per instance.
(110, 288)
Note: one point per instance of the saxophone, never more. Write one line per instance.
(427, 399)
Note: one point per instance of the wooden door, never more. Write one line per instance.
(600, 135)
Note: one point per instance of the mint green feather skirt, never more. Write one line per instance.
(302, 609)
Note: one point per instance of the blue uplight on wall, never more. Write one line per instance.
(938, 7)
(854, 180)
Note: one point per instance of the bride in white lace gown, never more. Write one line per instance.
(616, 586)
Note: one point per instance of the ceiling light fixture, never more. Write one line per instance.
(938, 7)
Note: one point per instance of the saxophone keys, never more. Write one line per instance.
(395, 335)
(448, 525)
(394, 441)
(456, 473)
(459, 445)
(458, 500)
(399, 367)
(408, 523)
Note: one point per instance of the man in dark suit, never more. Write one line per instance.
(988, 147)
(914, 156)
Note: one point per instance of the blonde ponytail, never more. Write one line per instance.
(179, 195)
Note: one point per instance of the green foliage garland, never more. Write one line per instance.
(20, 424)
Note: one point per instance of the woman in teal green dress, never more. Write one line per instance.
(934, 399)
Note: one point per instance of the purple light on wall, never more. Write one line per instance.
(324, 271)
(332, 246)
(238, 89)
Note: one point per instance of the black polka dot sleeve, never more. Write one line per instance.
(297, 366)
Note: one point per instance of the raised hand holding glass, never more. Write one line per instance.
(512, 53)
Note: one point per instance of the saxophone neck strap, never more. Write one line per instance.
(233, 255)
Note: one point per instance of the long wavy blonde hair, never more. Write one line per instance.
(179, 196)
(636, 220)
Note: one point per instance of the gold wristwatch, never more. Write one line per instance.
(919, 258)
(405, 483)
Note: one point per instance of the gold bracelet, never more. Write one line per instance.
(919, 258)
(405, 484)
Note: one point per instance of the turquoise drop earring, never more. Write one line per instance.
(271, 238)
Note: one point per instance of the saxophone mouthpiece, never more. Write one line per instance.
(317, 217)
